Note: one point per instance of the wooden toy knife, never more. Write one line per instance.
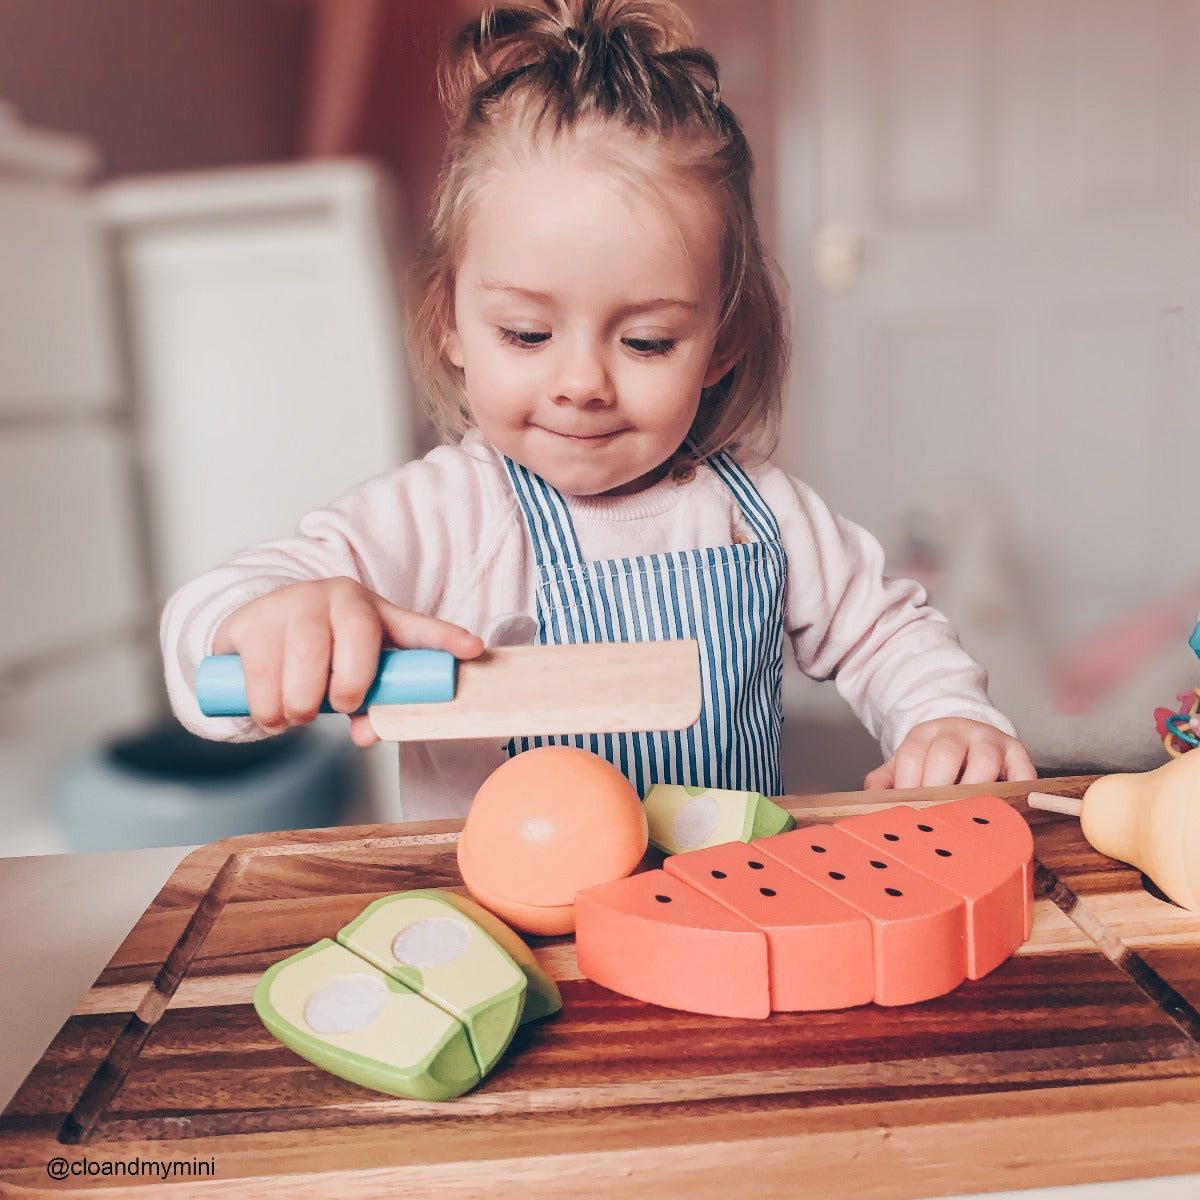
(428, 695)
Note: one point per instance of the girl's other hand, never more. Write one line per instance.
(325, 636)
(952, 750)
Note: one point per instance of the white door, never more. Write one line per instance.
(996, 266)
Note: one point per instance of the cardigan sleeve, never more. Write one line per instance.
(396, 534)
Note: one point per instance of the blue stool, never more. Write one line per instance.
(167, 787)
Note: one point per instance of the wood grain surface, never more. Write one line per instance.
(1076, 1060)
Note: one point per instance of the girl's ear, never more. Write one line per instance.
(452, 345)
(723, 359)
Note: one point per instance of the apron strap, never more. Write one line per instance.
(755, 509)
(546, 517)
(553, 532)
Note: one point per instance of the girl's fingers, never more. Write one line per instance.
(262, 667)
(943, 753)
(911, 768)
(308, 640)
(308, 646)
(411, 629)
(362, 733)
(985, 762)
(357, 640)
(882, 778)
(225, 638)
(1017, 763)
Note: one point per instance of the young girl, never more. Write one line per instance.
(597, 328)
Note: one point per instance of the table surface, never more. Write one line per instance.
(59, 946)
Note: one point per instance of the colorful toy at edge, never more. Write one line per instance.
(1180, 730)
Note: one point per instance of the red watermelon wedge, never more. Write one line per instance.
(894, 907)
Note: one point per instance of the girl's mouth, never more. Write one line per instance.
(584, 438)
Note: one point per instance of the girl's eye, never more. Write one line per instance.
(526, 338)
(650, 347)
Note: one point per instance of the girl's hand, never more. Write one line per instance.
(952, 750)
(325, 636)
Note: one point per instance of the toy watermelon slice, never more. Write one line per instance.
(895, 907)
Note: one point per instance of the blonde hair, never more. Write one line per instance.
(547, 66)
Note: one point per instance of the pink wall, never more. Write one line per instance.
(400, 120)
(161, 84)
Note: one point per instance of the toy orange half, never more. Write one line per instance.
(546, 920)
(549, 822)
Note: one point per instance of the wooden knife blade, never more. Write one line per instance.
(593, 687)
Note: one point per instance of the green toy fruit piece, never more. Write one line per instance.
(542, 997)
(422, 940)
(683, 818)
(342, 1015)
(769, 819)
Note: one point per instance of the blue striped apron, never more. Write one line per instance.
(729, 598)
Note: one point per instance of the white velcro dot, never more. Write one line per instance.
(345, 1004)
(431, 943)
(695, 822)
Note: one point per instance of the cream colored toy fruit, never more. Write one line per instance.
(1150, 820)
(683, 818)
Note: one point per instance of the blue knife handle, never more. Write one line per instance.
(404, 677)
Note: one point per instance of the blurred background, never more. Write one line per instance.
(988, 214)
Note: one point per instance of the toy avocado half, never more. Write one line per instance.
(542, 997)
(423, 941)
(419, 996)
(683, 818)
(340, 1014)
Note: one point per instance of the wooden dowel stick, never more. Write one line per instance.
(1059, 804)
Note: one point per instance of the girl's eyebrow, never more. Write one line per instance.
(638, 306)
(494, 285)
(635, 306)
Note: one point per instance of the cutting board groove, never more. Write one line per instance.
(1173, 1003)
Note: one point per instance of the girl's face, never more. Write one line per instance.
(585, 322)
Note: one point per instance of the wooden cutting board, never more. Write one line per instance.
(1076, 1060)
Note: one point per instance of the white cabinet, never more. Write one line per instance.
(68, 540)
(57, 343)
(188, 363)
(264, 339)
(74, 619)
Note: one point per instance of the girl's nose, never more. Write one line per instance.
(582, 378)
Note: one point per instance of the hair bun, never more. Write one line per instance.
(580, 41)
